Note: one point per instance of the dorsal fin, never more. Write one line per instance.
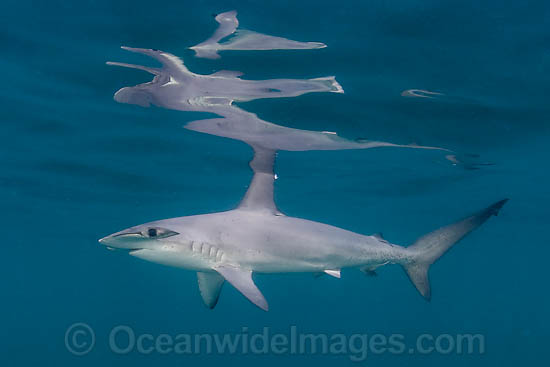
(259, 196)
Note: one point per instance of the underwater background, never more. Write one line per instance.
(77, 166)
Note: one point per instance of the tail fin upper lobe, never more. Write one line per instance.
(428, 248)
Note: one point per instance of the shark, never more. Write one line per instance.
(242, 39)
(256, 237)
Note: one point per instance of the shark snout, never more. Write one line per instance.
(123, 240)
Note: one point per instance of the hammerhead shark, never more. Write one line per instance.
(244, 40)
(257, 237)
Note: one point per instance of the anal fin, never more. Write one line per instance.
(370, 270)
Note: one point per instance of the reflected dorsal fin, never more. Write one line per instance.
(259, 196)
(228, 24)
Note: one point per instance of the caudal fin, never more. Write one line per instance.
(428, 248)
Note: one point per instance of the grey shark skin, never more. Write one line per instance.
(244, 40)
(257, 237)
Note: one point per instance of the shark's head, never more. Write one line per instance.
(145, 236)
(164, 243)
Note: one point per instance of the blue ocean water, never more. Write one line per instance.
(78, 166)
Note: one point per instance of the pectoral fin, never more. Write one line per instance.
(242, 280)
(210, 286)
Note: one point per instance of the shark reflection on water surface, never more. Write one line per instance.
(175, 87)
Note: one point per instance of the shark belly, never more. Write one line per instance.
(175, 259)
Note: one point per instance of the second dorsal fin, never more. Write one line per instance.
(379, 236)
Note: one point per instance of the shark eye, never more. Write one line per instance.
(156, 232)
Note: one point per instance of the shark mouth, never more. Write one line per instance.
(128, 250)
(136, 252)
